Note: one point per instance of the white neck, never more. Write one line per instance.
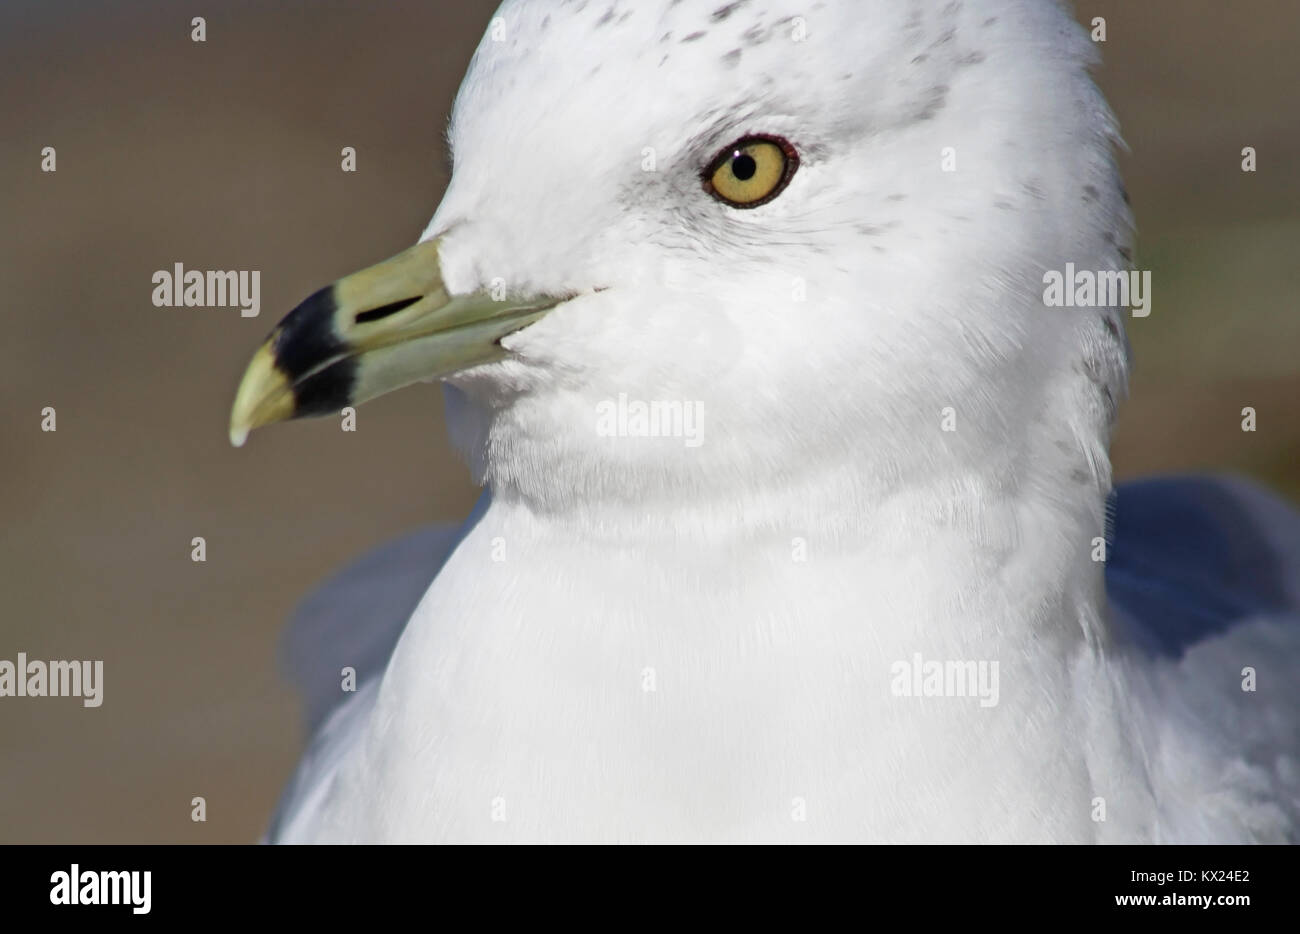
(609, 674)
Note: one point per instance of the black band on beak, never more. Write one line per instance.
(304, 340)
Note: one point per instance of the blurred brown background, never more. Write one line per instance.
(225, 155)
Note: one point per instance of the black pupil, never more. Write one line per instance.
(743, 166)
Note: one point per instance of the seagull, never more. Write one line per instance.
(797, 519)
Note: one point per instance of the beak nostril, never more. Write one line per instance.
(383, 311)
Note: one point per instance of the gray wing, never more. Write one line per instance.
(1191, 557)
(353, 620)
(1204, 582)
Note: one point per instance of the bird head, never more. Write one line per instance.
(818, 227)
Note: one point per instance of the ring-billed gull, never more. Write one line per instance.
(796, 480)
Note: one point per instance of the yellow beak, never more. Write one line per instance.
(374, 331)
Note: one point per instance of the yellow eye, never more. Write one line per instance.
(751, 171)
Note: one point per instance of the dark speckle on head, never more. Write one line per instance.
(875, 230)
(936, 100)
(732, 58)
(606, 17)
(695, 35)
(723, 12)
(915, 21)
(971, 58)
(1090, 193)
